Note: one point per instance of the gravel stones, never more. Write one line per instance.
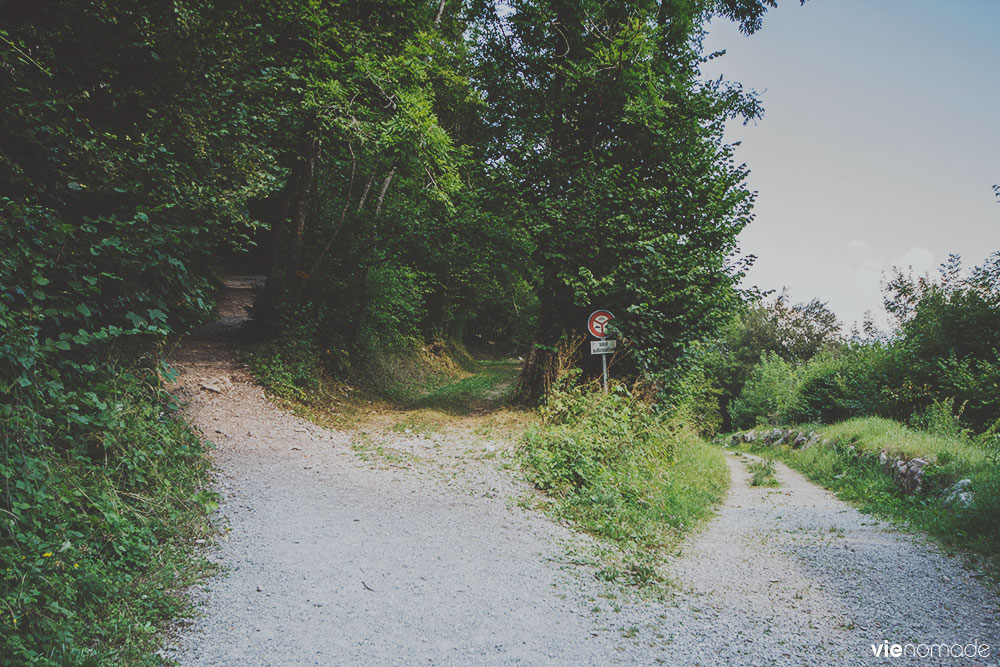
(427, 558)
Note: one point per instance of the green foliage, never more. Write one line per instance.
(425, 172)
(610, 143)
(130, 157)
(793, 332)
(768, 393)
(940, 418)
(391, 234)
(397, 306)
(875, 434)
(695, 398)
(621, 471)
(939, 371)
(948, 342)
(820, 393)
(96, 505)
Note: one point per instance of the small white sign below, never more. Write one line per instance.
(603, 346)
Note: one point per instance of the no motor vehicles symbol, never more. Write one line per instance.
(597, 323)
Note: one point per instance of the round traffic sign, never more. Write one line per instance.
(597, 323)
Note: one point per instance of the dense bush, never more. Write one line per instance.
(945, 355)
(768, 393)
(760, 331)
(122, 174)
(820, 393)
(620, 470)
(99, 484)
(99, 475)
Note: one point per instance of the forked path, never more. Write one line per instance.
(342, 548)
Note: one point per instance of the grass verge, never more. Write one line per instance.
(619, 471)
(98, 514)
(849, 465)
(434, 378)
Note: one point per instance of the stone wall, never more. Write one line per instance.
(908, 473)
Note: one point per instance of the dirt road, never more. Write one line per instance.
(397, 547)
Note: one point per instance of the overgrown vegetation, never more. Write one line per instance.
(850, 466)
(938, 370)
(620, 470)
(762, 472)
(120, 176)
(99, 510)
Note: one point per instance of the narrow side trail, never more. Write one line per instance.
(792, 575)
(408, 547)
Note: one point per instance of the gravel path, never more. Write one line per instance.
(341, 548)
(793, 575)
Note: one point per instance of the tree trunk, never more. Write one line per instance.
(343, 215)
(540, 367)
(359, 317)
(271, 287)
(300, 210)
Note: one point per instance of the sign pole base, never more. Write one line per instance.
(604, 365)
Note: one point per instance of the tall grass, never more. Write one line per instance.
(762, 473)
(873, 434)
(619, 471)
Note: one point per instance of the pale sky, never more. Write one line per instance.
(879, 146)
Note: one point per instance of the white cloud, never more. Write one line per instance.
(919, 259)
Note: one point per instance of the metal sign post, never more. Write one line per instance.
(604, 371)
(597, 326)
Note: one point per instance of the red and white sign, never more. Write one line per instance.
(597, 323)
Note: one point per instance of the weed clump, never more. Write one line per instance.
(762, 473)
(619, 469)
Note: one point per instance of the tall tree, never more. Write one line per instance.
(611, 140)
(355, 100)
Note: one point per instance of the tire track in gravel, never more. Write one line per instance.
(328, 559)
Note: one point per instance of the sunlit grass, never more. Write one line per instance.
(619, 472)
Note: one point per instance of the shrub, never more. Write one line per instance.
(768, 393)
(820, 393)
(91, 513)
(940, 418)
(620, 470)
